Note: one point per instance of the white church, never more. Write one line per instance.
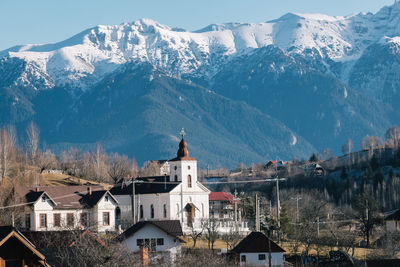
(177, 195)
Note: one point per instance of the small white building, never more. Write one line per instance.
(54, 208)
(157, 236)
(254, 250)
(392, 221)
(176, 196)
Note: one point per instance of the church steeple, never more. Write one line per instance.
(183, 152)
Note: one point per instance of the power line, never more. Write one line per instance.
(146, 182)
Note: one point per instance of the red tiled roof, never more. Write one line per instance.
(220, 196)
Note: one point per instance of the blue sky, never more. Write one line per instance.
(47, 21)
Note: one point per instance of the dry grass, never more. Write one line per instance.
(59, 179)
(203, 243)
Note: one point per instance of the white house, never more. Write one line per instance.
(254, 250)
(177, 196)
(53, 208)
(392, 221)
(157, 236)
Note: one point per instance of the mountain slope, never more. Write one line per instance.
(317, 106)
(140, 111)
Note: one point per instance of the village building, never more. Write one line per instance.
(156, 236)
(17, 250)
(221, 205)
(392, 221)
(254, 250)
(176, 196)
(55, 208)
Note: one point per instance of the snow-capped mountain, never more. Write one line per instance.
(303, 82)
(85, 58)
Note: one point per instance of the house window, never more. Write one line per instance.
(189, 181)
(160, 241)
(261, 257)
(141, 211)
(165, 210)
(106, 198)
(243, 258)
(70, 219)
(85, 219)
(139, 242)
(153, 244)
(43, 220)
(27, 221)
(44, 198)
(152, 211)
(106, 218)
(57, 219)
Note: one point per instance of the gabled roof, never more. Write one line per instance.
(220, 196)
(393, 216)
(146, 185)
(65, 197)
(170, 227)
(256, 242)
(10, 234)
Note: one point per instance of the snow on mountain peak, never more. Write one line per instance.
(86, 57)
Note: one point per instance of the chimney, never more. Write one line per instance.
(89, 191)
(144, 256)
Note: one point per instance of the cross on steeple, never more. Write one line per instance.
(183, 133)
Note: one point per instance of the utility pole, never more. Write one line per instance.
(133, 201)
(278, 203)
(181, 206)
(235, 199)
(269, 246)
(297, 208)
(257, 213)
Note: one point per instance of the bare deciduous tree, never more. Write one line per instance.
(370, 143)
(392, 137)
(7, 152)
(32, 144)
(231, 238)
(120, 167)
(195, 234)
(46, 160)
(210, 228)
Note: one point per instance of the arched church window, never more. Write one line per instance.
(165, 211)
(176, 178)
(152, 211)
(189, 167)
(189, 181)
(175, 168)
(141, 211)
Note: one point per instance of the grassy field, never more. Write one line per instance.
(59, 179)
(359, 253)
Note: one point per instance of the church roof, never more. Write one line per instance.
(146, 185)
(183, 152)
